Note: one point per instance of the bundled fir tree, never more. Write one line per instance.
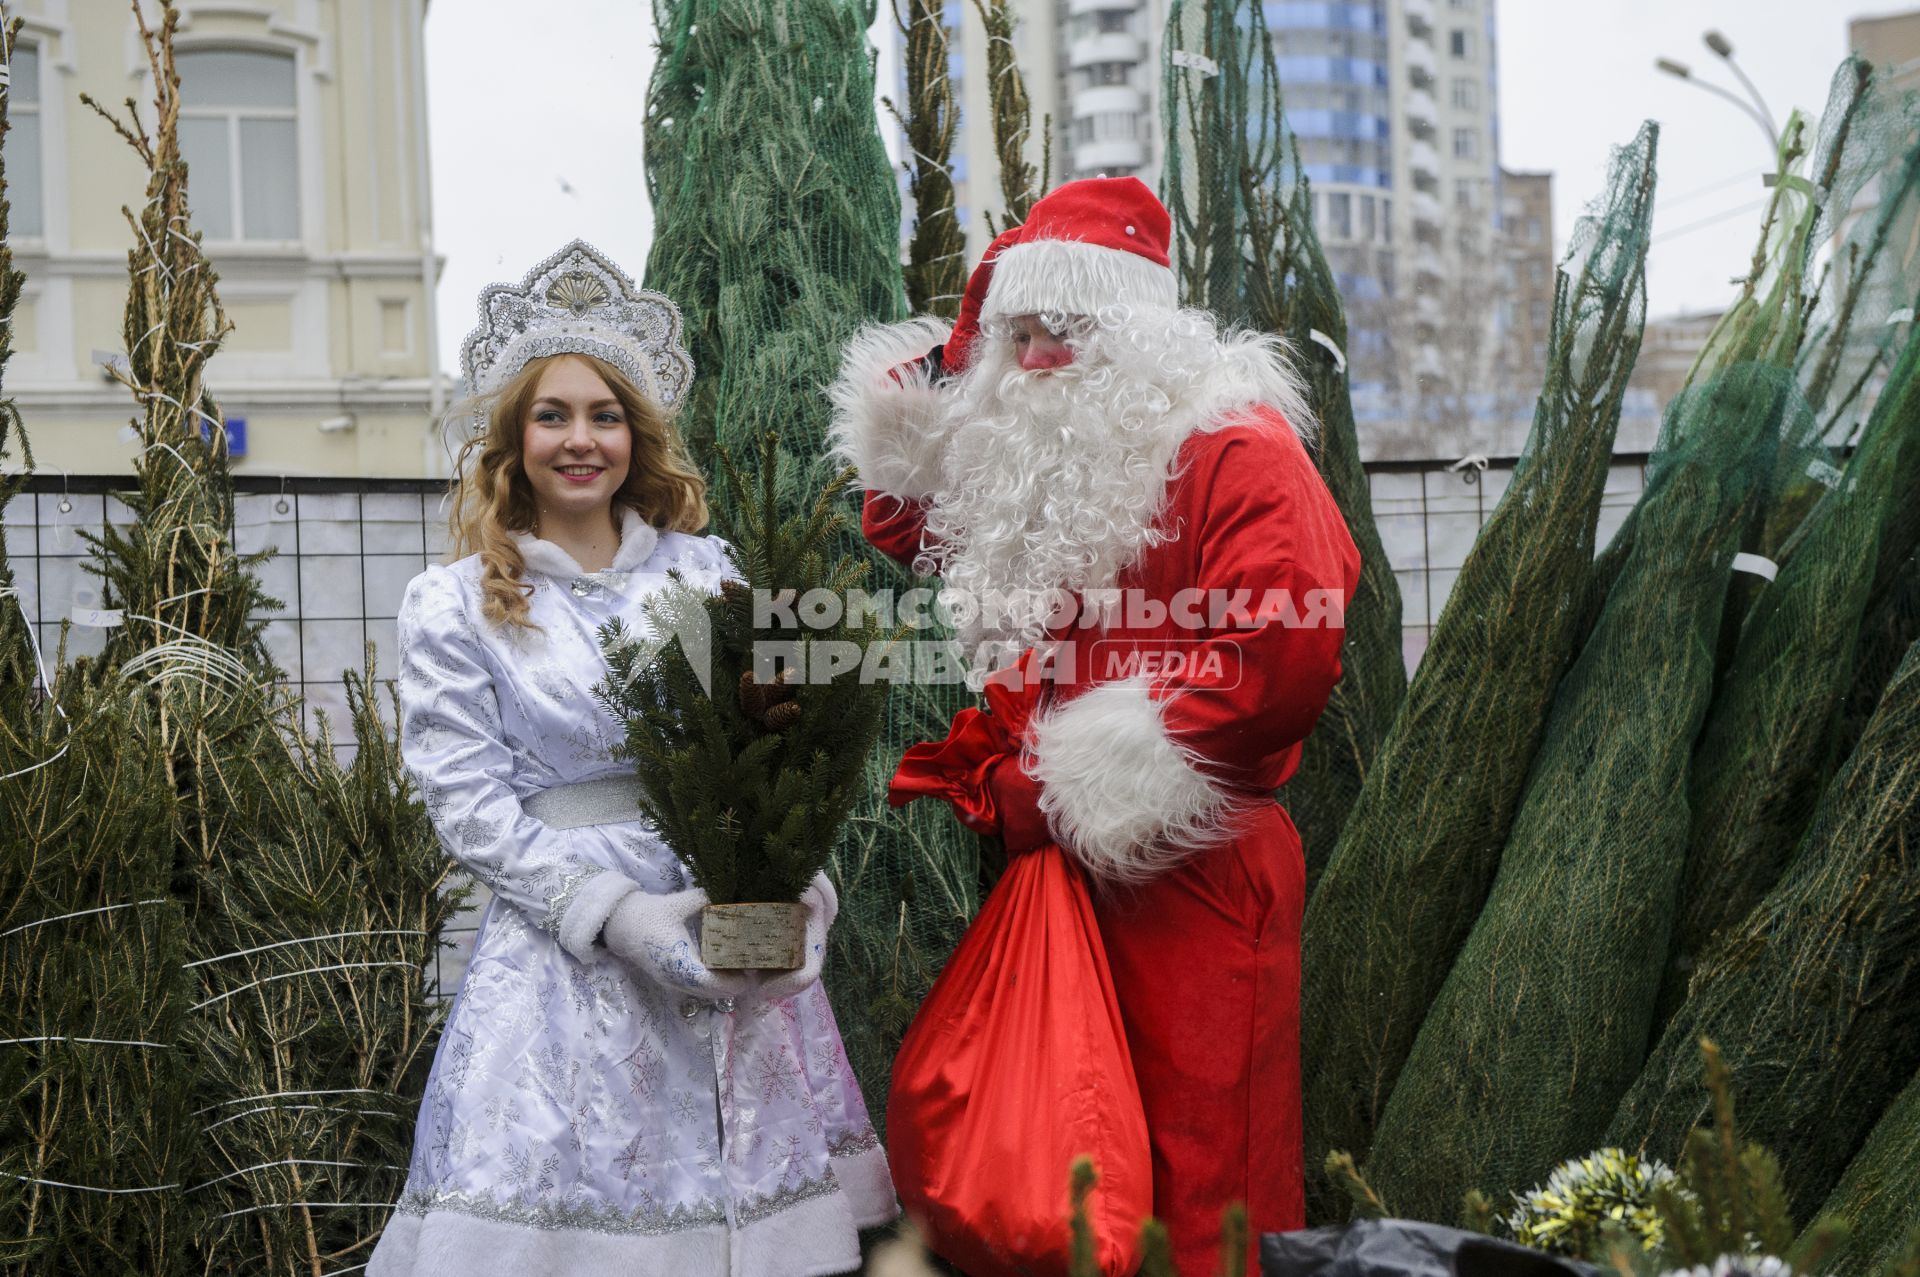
(95, 1140)
(1420, 850)
(1543, 1021)
(751, 753)
(936, 270)
(777, 233)
(1248, 251)
(1813, 997)
(1878, 1197)
(311, 891)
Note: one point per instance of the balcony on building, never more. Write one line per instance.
(1105, 46)
(1426, 210)
(1423, 65)
(1077, 7)
(1423, 113)
(1419, 18)
(1109, 155)
(1105, 98)
(1422, 158)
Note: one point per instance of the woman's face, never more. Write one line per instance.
(576, 446)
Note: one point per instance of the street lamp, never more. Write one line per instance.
(1724, 48)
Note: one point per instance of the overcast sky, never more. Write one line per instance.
(536, 125)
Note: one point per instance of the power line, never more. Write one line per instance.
(1663, 201)
(1705, 222)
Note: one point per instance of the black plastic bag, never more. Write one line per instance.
(1405, 1248)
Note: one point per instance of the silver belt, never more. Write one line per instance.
(609, 800)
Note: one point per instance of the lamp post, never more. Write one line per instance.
(1755, 110)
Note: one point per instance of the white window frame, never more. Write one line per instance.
(232, 116)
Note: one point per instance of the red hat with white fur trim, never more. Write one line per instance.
(1091, 244)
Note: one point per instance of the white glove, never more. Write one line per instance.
(823, 906)
(650, 934)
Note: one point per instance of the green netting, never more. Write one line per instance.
(1879, 1196)
(1543, 1021)
(1813, 998)
(1415, 859)
(1246, 248)
(1892, 625)
(1871, 273)
(778, 233)
(1766, 749)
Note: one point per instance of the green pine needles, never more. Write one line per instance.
(750, 728)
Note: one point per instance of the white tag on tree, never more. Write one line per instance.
(1758, 564)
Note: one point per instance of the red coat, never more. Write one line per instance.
(1153, 759)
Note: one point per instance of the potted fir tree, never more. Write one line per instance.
(748, 756)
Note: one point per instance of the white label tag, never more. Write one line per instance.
(1758, 564)
(1824, 472)
(1902, 316)
(1196, 62)
(97, 618)
(1319, 338)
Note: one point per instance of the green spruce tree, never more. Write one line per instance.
(778, 234)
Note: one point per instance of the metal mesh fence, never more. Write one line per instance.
(346, 548)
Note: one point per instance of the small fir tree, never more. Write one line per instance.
(748, 760)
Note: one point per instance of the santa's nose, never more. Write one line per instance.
(1040, 354)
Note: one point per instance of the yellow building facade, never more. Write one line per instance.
(304, 127)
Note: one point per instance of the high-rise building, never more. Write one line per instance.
(304, 127)
(1396, 107)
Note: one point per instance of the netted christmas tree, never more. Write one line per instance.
(1419, 852)
(1813, 997)
(936, 269)
(1543, 1021)
(1246, 249)
(777, 232)
(1766, 751)
(311, 890)
(1878, 1197)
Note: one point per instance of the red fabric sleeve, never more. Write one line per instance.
(893, 525)
(1267, 526)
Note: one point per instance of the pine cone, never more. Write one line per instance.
(769, 704)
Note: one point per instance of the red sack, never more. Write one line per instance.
(1016, 1066)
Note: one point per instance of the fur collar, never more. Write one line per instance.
(638, 539)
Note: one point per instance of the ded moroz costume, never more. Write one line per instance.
(1166, 463)
(585, 1114)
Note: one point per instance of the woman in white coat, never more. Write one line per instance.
(600, 1101)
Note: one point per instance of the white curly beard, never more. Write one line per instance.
(1051, 482)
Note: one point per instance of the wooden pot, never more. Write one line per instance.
(761, 936)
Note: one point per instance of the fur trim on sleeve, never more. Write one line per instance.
(1122, 795)
(886, 417)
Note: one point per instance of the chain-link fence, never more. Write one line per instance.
(346, 548)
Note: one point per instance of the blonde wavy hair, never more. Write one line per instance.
(493, 498)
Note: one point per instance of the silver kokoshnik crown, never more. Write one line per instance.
(577, 302)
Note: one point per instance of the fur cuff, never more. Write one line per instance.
(886, 416)
(587, 913)
(1121, 794)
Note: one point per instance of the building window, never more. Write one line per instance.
(1466, 94)
(1107, 126)
(1100, 73)
(1460, 44)
(1466, 144)
(239, 136)
(1535, 232)
(25, 180)
(1538, 312)
(1340, 216)
(1537, 273)
(1366, 218)
(1460, 6)
(1113, 20)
